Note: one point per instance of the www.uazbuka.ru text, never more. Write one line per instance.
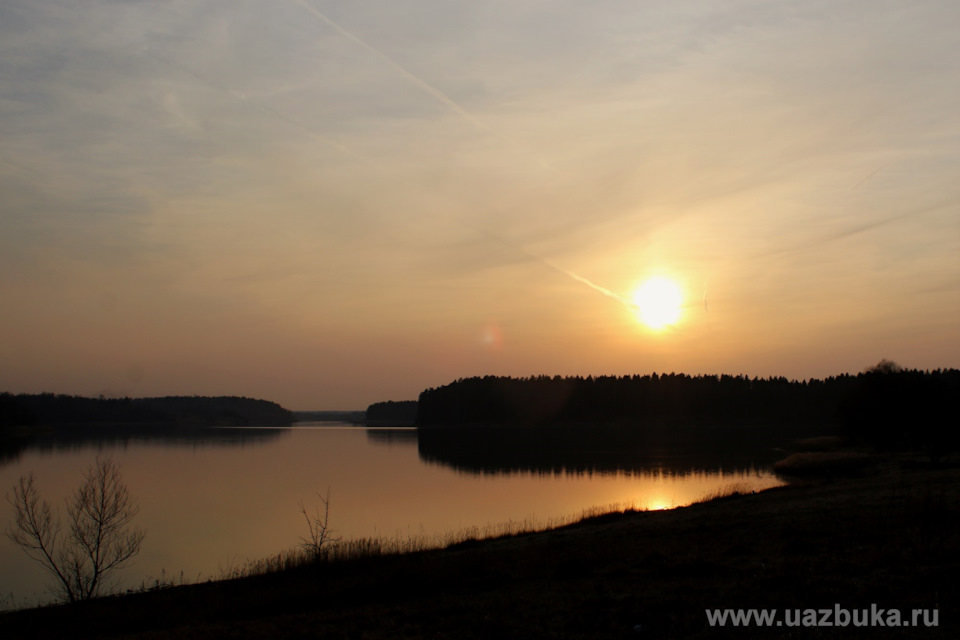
(836, 617)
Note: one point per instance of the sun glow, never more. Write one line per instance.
(658, 301)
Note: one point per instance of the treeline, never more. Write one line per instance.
(884, 405)
(48, 409)
(636, 399)
(392, 413)
(904, 409)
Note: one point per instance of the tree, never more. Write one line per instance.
(320, 536)
(884, 367)
(98, 539)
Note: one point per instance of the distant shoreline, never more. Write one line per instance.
(63, 411)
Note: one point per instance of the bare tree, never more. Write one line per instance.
(98, 539)
(321, 535)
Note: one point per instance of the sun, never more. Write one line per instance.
(658, 301)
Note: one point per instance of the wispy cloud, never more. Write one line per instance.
(408, 170)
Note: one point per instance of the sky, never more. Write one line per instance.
(328, 204)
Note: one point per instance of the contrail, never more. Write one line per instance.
(446, 100)
(419, 82)
(424, 86)
(570, 274)
(871, 174)
(595, 287)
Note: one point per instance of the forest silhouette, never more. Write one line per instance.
(50, 421)
(392, 413)
(48, 409)
(884, 406)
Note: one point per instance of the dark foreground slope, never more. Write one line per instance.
(888, 540)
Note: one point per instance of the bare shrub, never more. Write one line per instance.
(320, 537)
(97, 540)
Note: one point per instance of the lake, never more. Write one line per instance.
(213, 500)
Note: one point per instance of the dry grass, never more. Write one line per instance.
(353, 549)
(732, 490)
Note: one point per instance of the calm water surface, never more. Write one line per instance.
(211, 505)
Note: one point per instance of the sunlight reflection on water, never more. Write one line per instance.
(211, 505)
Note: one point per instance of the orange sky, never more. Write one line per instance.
(329, 204)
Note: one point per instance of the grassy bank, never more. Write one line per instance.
(889, 539)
